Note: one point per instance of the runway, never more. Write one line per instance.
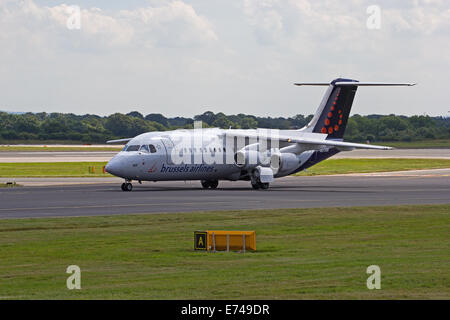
(56, 156)
(103, 156)
(106, 198)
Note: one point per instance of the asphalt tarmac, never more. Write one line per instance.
(104, 196)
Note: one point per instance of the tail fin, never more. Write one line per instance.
(332, 115)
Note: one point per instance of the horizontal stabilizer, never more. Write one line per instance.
(312, 84)
(373, 84)
(355, 83)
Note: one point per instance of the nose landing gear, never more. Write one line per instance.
(127, 186)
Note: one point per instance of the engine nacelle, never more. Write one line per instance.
(283, 163)
(247, 159)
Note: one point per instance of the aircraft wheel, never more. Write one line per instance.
(264, 186)
(209, 184)
(255, 186)
(127, 186)
(213, 184)
(205, 184)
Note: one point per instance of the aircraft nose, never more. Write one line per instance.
(112, 167)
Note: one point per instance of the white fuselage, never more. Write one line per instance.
(208, 154)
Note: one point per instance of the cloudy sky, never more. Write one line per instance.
(239, 56)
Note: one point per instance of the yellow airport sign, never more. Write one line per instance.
(200, 240)
(218, 240)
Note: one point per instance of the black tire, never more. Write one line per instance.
(123, 187)
(128, 187)
(255, 186)
(264, 186)
(205, 184)
(214, 184)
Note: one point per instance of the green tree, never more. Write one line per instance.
(159, 118)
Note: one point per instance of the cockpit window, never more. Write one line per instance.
(133, 148)
(125, 148)
(152, 148)
(144, 148)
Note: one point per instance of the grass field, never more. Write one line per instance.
(332, 166)
(301, 254)
(52, 169)
(9, 185)
(342, 166)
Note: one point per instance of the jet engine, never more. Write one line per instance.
(282, 163)
(247, 159)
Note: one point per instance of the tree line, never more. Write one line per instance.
(97, 129)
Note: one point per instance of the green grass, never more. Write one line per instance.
(48, 142)
(301, 254)
(53, 149)
(52, 169)
(332, 166)
(10, 185)
(425, 144)
(342, 166)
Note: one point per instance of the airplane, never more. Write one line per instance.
(255, 155)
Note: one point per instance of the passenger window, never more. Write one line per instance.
(133, 148)
(144, 148)
(152, 148)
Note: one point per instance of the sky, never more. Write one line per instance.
(182, 58)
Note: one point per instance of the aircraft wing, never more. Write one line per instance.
(119, 140)
(310, 141)
(338, 144)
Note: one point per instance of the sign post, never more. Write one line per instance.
(200, 240)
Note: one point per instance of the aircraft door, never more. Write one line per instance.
(152, 157)
(168, 147)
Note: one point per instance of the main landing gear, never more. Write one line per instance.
(256, 181)
(210, 184)
(260, 185)
(127, 186)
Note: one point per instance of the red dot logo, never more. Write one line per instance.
(340, 122)
(324, 130)
(336, 128)
(330, 130)
(330, 114)
(327, 122)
